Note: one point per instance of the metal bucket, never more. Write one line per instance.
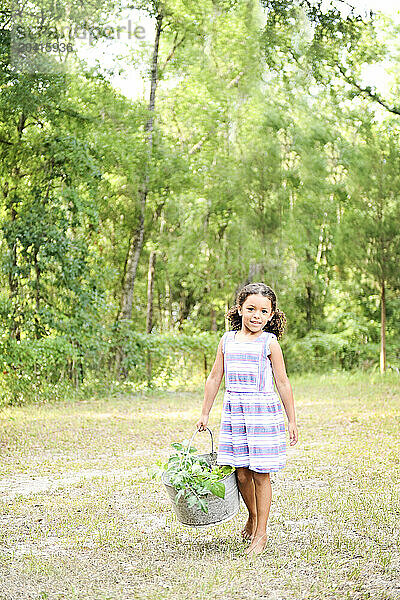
(219, 509)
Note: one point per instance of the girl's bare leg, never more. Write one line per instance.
(263, 493)
(247, 491)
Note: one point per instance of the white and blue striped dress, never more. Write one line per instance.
(252, 430)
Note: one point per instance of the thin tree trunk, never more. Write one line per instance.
(309, 307)
(213, 320)
(13, 284)
(168, 303)
(132, 262)
(383, 272)
(12, 280)
(37, 294)
(320, 248)
(309, 295)
(150, 291)
(15, 330)
(136, 244)
(160, 310)
(383, 328)
(182, 308)
(149, 316)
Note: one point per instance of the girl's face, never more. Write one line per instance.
(255, 311)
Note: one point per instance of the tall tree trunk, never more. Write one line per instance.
(150, 291)
(136, 244)
(383, 328)
(15, 330)
(168, 301)
(149, 316)
(132, 262)
(37, 294)
(12, 279)
(321, 240)
(182, 308)
(309, 306)
(160, 309)
(13, 284)
(309, 293)
(213, 320)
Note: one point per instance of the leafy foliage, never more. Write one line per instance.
(267, 163)
(193, 477)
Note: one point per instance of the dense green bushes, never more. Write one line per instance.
(50, 368)
(53, 368)
(231, 177)
(321, 351)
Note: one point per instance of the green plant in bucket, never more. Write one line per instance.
(192, 476)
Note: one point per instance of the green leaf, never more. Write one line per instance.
(177, 446)
(203, 505)
(179, 495)
(192, 500)
(217, 488)
(155, 472)
(176, 478)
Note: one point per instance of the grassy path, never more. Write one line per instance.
(81, 520)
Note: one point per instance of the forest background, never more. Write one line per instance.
(262, 150)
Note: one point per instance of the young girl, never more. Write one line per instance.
(252, 437)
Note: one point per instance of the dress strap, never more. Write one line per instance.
(265, 352)
(224, 340)
(268, 339)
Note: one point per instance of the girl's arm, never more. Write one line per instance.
(284, 388)
(212, 386)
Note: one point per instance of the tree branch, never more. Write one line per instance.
(175, 46)
(175, 119)
(199, 144)
(236, 80)
(368, 92)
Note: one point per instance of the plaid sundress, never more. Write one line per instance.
(252, 430)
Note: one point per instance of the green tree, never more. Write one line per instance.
(369, 235)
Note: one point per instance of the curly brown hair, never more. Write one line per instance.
(277, 323)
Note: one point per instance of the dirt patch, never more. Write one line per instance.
(24, 485)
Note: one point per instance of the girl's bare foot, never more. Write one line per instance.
(257, 546)
(249, 529)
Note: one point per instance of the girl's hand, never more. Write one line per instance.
(202, 423)
(293, 433)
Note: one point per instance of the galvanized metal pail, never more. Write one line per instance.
(219, 509)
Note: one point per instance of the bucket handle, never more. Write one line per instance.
(191, 440)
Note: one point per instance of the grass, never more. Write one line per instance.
(80, 519)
